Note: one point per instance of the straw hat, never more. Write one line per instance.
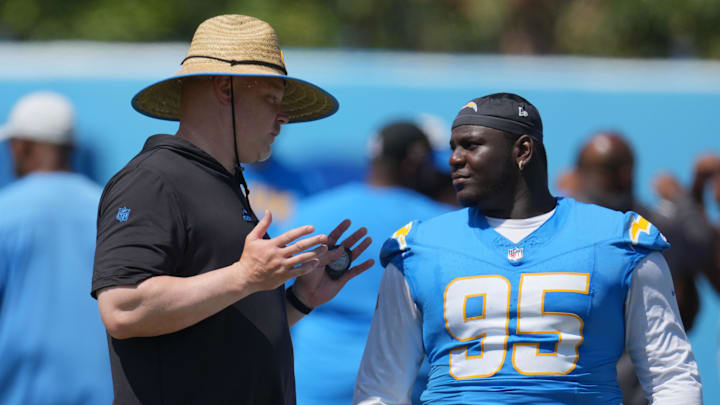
(235, 45)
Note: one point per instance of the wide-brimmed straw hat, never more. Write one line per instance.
(235, 45)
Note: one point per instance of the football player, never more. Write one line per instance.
(522, 297)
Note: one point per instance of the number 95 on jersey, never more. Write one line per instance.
(535, 325)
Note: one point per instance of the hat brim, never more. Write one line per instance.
(302, 101)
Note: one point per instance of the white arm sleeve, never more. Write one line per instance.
(394, 348)
(655, 338)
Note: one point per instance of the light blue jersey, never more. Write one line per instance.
(53, 346)
(539, 321)
(329, 342)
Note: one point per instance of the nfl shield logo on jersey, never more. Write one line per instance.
(123, 214)
(515, 254)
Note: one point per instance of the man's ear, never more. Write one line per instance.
(221, 85)
(524, 149)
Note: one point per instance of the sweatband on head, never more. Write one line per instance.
(502, 111)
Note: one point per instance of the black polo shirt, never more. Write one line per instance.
(174, 210)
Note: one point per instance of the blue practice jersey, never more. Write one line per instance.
(538, 321)
(53, 346)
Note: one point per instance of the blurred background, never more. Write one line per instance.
(647, 69)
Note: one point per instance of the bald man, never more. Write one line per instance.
(605, 167)
(189, 285)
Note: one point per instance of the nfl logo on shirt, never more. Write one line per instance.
(515, 254)
(123, 214)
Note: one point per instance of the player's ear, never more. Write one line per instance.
(222, 88)
(523, 150)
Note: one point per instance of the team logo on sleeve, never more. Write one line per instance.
(639, 224)
(123, 214)
(401, 233)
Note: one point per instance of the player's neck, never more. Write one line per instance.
(527, 203)
(535, 204)
(533, 197)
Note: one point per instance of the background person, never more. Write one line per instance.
(605, 175)
(330, 341)
(52, 343)
(677, 201)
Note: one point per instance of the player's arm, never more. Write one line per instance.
(165, 304)
(394, 348)
(655, 338)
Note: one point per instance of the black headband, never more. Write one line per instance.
(506, 112)
(234, 62)
(503, 124)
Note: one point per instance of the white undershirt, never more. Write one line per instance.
(516, 230)
(654, 335)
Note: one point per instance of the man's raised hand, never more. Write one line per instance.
(268, 263)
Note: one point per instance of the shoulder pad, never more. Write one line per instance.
(638, 231)
(396, 245)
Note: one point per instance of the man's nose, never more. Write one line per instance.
(282, 117)
(457, 158)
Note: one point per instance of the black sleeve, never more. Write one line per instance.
(140, 230)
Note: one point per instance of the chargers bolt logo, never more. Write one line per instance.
(470, 105)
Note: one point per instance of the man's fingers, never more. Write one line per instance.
(355, 270)
(305, 257)
(293, 234)
(362, 266)
(304, 244)
(305, 268)
(356, 236)
(361, 248)
(261, 228)
(338, 231)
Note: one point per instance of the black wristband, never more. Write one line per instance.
(295, 301)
